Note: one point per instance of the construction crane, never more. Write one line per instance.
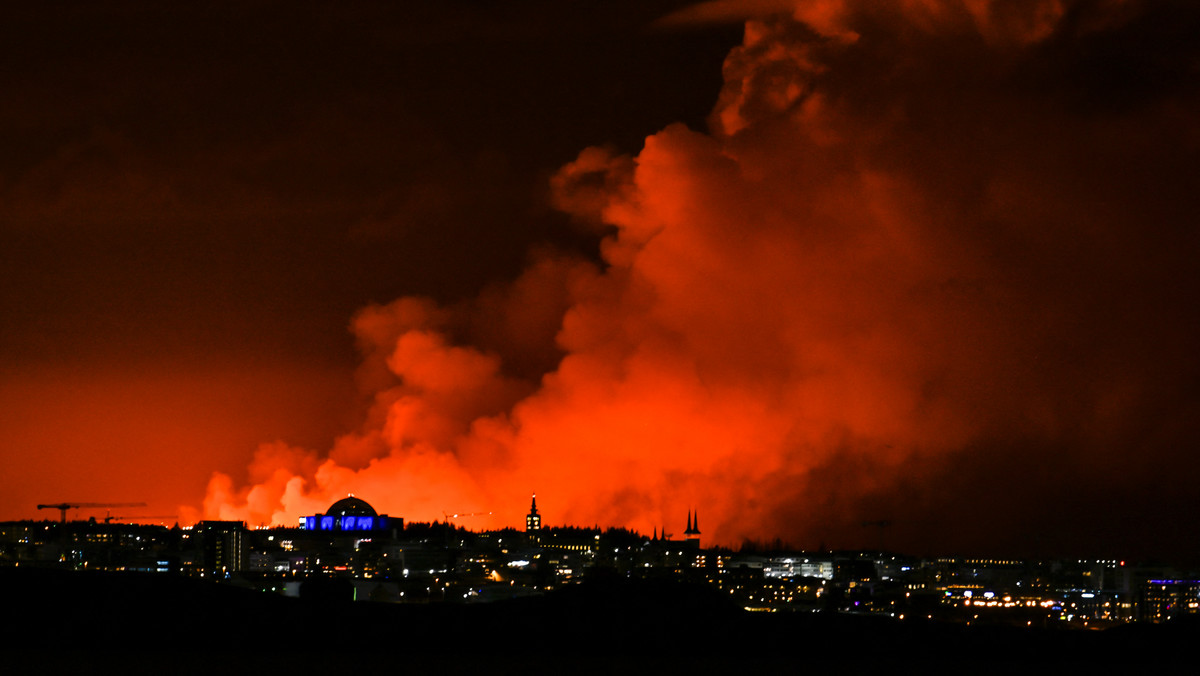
(110, 518)
(62, 507)
(459, 516)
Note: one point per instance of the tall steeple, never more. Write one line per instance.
(533, 520)
(693, 527)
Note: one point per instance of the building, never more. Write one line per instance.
(1164, 600)
(692, 534)
(223, 547)
(533, 520)
(350, 515)
(350, 539)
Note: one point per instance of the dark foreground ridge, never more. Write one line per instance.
(627, 626)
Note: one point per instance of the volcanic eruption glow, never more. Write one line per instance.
(912, 266)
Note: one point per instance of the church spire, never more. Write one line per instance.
(533, 521)
(693, 526)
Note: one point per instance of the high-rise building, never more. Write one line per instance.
(223, 547)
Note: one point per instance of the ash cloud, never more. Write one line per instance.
(931, 263)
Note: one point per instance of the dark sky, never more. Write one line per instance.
(795, 265)
(244, 176)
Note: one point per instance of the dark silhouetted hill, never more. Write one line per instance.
(609, 626)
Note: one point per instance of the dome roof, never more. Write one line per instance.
(350, 506)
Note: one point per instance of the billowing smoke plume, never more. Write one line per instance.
(933, 263)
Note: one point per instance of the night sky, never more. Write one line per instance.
(795, 265)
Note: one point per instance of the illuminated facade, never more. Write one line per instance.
(1164, 600)
(350, 515)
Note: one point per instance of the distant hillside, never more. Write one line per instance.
(616, 625)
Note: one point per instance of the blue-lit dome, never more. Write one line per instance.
(350, 506)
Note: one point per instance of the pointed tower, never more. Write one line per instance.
(533, 520)
(692, 534)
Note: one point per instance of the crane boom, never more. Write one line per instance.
(110, 518)
(459, 516)
(62, 507)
